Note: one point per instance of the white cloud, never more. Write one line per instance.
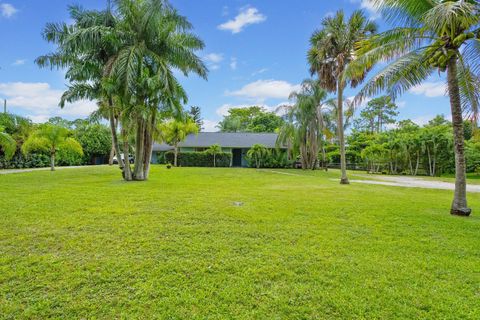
(19, 62)
(7, 10)
(262, 90)
(401, 104)
(247, 16)
(214, 57)
(369, 7)
(233, 63)
(430, 89)
(213, 60)
(210, 126)
(39, 101)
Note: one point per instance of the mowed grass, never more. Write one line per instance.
(232, 244)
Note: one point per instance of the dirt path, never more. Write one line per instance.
(411, 182)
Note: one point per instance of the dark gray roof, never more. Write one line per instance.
(226, 140)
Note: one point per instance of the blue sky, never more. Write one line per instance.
(255, 50)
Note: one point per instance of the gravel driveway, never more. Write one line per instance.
(411, 182)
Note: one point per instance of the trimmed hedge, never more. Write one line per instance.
(21, 162)
(199, 159)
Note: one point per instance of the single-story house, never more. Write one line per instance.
(236, 143)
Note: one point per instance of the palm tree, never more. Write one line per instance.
(307, 116)
(214, 150)
(258, 153)
(153, 40)
(128, 56)
(85, 48)
(435, 36)
(51, 138)
(332, 50)
(175, 131)
(7, 144)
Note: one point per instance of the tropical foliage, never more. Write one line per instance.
(124, 58)
(258, 154)
(52, 139)
(431, 36)
(214, 150)
(175, 131)
(331, 52)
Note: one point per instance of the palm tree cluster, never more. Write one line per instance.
(429, 36)
(124, 57)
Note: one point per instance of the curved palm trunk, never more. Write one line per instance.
(341, 137)
(459, 205)
(113, 129)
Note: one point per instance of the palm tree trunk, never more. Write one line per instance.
(214, 161)
(175, 158)
(341, 137)
(149, 145)
(52, 161)
(127, 170)
(138, 173)
(113, 129)
(112, 155)
(459, 204)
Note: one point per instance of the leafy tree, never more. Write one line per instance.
(196, 114)
(173, 132)
(332, 50)
(51, 139)
(214, 150)
(258, 153)
(266, 122)
(431, 36)
(378, 113)
(95, 139)
(251, 119)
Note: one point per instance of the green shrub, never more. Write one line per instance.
(19, 161)
(199, 159)
(274, 159)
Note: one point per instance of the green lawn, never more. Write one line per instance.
(81, 243)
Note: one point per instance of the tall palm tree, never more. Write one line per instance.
(51, 138)
(153, 40)
(332, 50)
(433, 36)
(84, 48)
